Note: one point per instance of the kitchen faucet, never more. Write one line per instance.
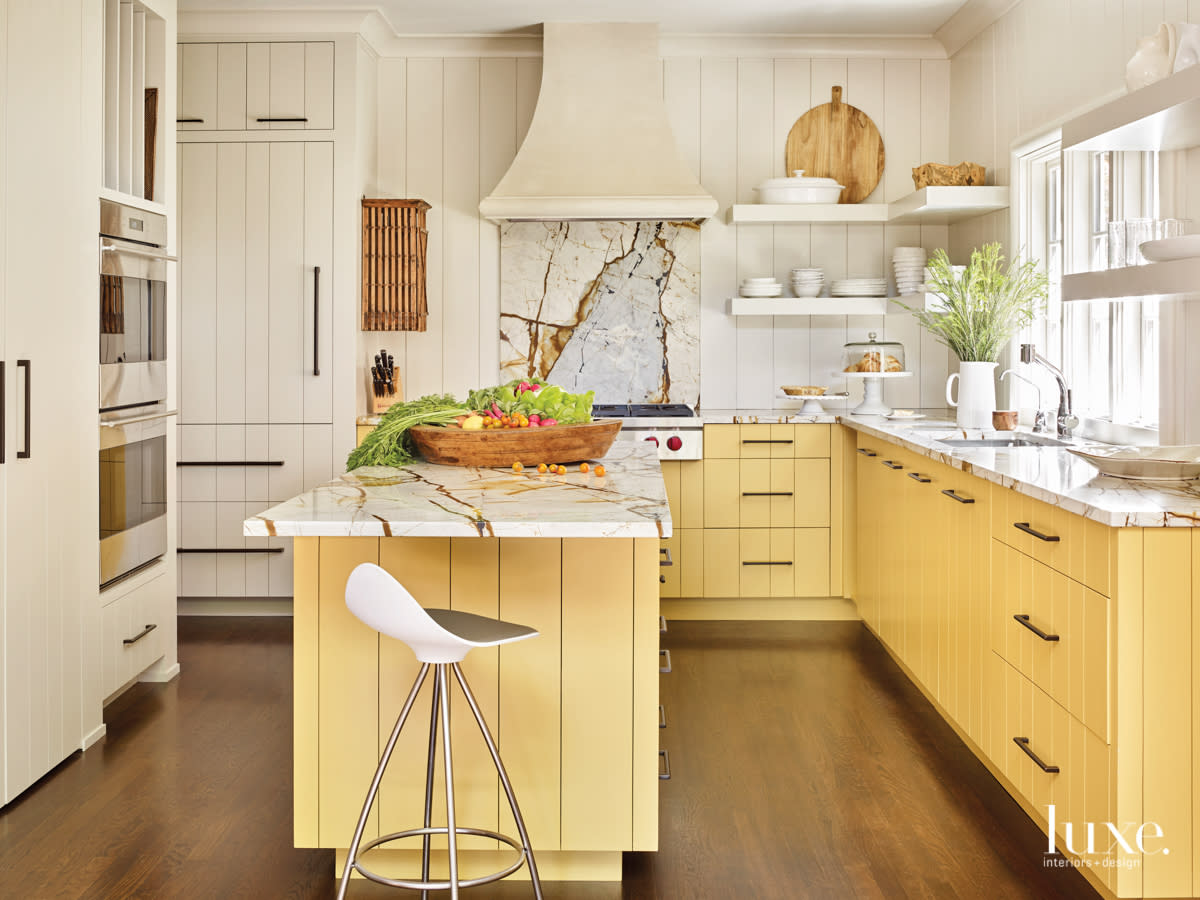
(1039, 418)
(1066, 421)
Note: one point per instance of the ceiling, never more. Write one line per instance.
(825, 17)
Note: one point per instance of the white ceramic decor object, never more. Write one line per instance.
(976, 394)
(1184, 247)
(1154, 59)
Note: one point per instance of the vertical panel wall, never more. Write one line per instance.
(449, 127)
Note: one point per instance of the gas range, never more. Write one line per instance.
(672, 427)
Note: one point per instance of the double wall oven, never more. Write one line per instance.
(133, 390)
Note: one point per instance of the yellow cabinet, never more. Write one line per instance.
(722, 493)
(722, 562)
(684, 482)
(812, 562)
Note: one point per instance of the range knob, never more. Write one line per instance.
(674, 443)
(654, 439)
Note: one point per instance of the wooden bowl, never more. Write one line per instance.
(453, 446)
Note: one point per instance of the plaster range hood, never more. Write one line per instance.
(599, 145)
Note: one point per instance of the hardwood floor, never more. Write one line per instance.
(804, 766)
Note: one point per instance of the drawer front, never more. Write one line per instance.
(722, 493)
(1054, 631)
(767, 562)
(690, 562)
(766, 493)
(1077, 547)
(767, 441)
(722, 562)
(685, 492)
(132, 634)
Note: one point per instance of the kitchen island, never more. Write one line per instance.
(575, 711)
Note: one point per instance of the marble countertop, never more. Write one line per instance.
(428, 500)
(1049, 474)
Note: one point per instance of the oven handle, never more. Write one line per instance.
(146, 254)
(133, 420)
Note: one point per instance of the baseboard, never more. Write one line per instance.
(783, 609)
(94, 735)
(158, 673)
(234, 606)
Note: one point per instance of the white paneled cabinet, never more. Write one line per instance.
(256, 86)
(49, 549)
(256, 325)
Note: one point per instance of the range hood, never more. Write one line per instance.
(599, 145)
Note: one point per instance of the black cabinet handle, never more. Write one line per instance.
(280, 119)
(229, 462)
(228, 549)
(666, 551)
(780, 441)
(662, 716)
(767, 563)
(316, 320)
(917, 476)
(1024, 526)
(28, 367)
(1023, 743)
(3, 411)
(662, 624)
(1024, 620)
(953, 496)
(666, 654)
(137, 637)
(766, 493)
(890, 464)
(665, 773)
(188, 121)
(662, 579)
(866, 452)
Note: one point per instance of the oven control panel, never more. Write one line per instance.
(673, 442)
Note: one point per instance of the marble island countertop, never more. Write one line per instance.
(1049, 474)
(429, 500)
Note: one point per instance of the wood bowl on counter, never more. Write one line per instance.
(454, 446)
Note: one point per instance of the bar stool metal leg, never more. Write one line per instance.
(433, 729)
(352, 855)
(451, 831)
(512, 797)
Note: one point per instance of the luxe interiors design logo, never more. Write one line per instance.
(1120, 846)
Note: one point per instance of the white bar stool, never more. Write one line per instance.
(440, 638)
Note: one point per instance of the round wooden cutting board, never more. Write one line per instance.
(837, 140)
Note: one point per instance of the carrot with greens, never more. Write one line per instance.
(390, 443)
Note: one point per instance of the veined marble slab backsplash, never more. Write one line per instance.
(612, 307)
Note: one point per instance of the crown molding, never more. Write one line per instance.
(972, 18)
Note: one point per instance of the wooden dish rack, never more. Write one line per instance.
(394, 241)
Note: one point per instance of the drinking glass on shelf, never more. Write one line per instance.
(1169, 228)
(1116, 244)
(1137, 231)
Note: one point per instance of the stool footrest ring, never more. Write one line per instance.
(439, 885)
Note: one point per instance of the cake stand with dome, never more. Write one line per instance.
(873, 362)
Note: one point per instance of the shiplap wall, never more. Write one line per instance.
(449, 127)
(1040, 63)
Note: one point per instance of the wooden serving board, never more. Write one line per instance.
(837, 140)
(452, 446)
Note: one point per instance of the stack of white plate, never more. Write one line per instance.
(859, 286)
(807, 282)
(909, 263)
(761, 287)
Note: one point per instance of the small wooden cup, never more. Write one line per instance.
(1004, 419)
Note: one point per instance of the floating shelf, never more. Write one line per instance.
(1173, 280)
(809, 306)
(1161, 116)
(928, 206)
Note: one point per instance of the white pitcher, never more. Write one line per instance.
(976, 394)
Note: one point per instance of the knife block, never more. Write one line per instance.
(379, 405)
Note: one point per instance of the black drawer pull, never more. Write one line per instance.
(188, 121)
(1023, 743)
(665, 773)
(28, 367)
(667, 552)
(228, 549)
(764, 441)
(865, 452)
(917, 476)
(662, 624)
(953, 496)
(890, 464)
(1024, 526)
(1024, 620)
(766, 493)
(662, 579)
(137, 637)
(766, 563)
(281, 119)
(230, 462)
(3, 413)
(665, 654)
(662, 716)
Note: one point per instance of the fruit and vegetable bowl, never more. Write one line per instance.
(524, 421)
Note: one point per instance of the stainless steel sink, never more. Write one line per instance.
(1023, 441)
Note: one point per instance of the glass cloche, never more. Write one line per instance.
(872, 356)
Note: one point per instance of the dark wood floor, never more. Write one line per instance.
(805, 766)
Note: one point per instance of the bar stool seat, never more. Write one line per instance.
(440, 638)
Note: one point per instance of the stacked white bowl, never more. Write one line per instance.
(807, 282)
(761, 287)
(909, 264)
(859, 286)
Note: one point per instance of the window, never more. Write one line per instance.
(1108, 350)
